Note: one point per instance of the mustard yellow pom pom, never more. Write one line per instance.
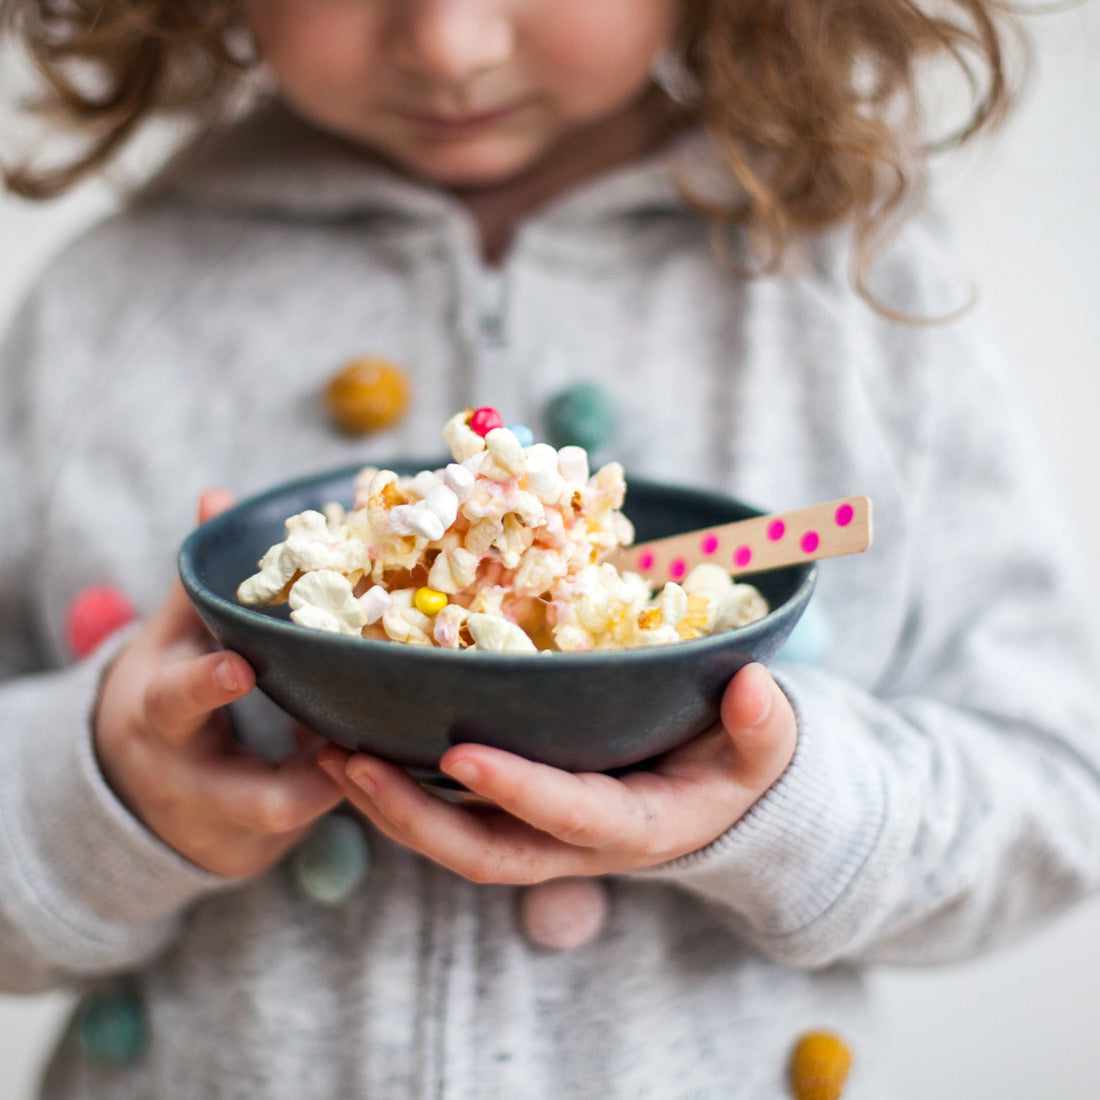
(819, 1066)
(368, 395)
(428, 601)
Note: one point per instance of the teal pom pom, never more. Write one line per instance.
(581, 416)
(111, 1028)
(332, 861)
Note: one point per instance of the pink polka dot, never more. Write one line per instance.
(742, 556)
(709, 544)
(809, 542)
(677, 568)
(645, 561)
(844, 515)
(776, 530)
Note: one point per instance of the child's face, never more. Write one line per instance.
(462, 92)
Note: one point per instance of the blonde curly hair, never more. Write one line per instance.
(813, 104)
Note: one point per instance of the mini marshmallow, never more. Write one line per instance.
(416, 520)
(459, 480)
(543, 477)
(421, 484)
(375, 602)
(442, 502)
(573, 464)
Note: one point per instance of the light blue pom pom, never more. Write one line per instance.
(332, 861)
(808, 643)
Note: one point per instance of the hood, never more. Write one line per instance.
(271, 162)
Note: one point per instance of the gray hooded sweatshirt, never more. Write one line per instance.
(944, 796)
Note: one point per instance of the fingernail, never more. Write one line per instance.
(331, 767)
(360, 774)
(226, 676)
(465, 771)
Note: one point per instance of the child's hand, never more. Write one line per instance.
(167, 750)
(545, 823)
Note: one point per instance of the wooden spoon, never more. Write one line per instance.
(828, 530)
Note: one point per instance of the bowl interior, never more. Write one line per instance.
(590, 711)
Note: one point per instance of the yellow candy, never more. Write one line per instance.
(367, 396)
(819, 1066)
(428, 601)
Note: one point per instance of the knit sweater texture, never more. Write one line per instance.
(944, 796)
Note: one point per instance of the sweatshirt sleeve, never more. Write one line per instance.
(84, 888)
(950, 800)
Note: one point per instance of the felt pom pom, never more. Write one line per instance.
(564, 913)
(581, 416)
(819, 1066)
(94, 615)
(110, 1028)
(332, 861)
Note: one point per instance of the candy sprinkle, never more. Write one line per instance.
(428, 601)
(484, 420)
(523, 433)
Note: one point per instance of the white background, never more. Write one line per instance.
(1022, 1024)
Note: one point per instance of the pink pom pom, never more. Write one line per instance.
(94, 615)
(564, 913)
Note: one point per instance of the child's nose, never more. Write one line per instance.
(451, 40)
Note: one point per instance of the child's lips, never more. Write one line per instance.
(448, 123)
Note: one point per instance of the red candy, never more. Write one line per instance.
(484, 420)
(94, 615)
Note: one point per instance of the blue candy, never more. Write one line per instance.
(523, 433)
(332, 861)
(111, 1028)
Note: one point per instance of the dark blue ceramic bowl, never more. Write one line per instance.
(599, 711)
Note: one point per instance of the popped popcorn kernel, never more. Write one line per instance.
(497, 634)
(500, 550)
(324, 600)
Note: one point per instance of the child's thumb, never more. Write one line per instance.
(760, 721)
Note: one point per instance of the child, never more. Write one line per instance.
(507, 200)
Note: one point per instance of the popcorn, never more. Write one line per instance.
(500, 551)
(499, 635)
(324, 600)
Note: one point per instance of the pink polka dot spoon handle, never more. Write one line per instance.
(828, 530)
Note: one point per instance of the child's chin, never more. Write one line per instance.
(469, 169)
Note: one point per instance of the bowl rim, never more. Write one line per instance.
(202, 596)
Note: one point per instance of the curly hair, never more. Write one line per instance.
(105, 67)
(813, 104)
(816, 109)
